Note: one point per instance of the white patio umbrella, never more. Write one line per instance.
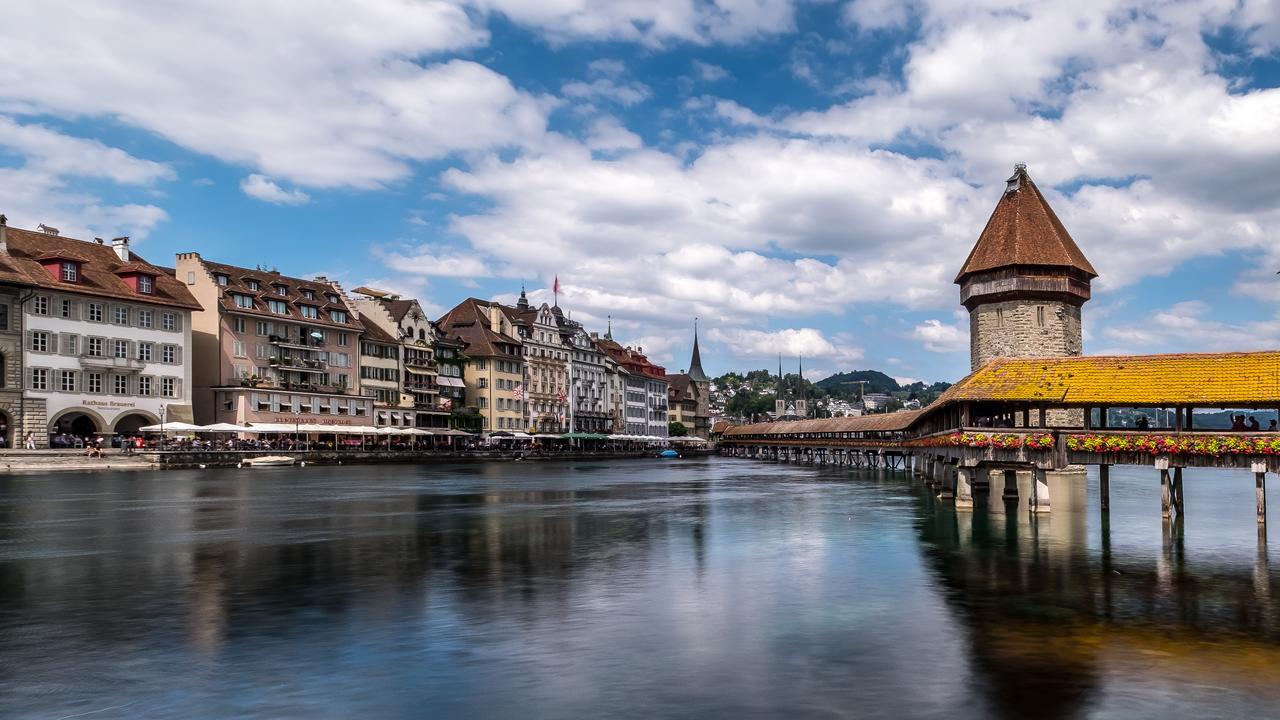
(223, 427)
(170, 427)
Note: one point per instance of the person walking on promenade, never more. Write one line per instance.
(31, 441)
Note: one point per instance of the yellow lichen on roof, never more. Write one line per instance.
(1207, 379)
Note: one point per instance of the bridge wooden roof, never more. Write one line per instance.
(885, 422)
(1186, 379)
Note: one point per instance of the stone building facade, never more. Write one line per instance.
(15, 421)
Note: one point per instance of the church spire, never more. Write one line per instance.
(695, 365)
(608, 333)
(523, 302)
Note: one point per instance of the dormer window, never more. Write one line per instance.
(310, 312)
(222, 279)
(243, 301)
(146, 285)
(70, 271)
(333, 299)
(309, 294)
(281, 289)
(338, 316)
(251, 284)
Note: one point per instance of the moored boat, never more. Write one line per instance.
(269, 461)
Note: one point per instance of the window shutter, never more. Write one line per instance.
(31, 343)
(177, 355)
(133, 350)
(53, 342)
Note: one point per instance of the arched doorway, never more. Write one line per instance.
(6, 430)
(73, 424)
(129, 424)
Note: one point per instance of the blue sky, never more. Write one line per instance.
(803, 175)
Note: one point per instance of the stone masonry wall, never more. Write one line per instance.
(1015, 329)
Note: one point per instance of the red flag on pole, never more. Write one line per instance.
(556, 287)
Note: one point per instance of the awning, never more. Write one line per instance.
(450, 381)
(417, 370)
(170, 427)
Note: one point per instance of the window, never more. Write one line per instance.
(252, 284)
(333, 299)
(69, 344)
(93, 382)
(145, 351)
(482, 402)
(120, 315)
(95, 312)
(169, 353)
(243, 301)
(338, 316)
(146, 284)
(169, 321)
(281, 290)
(40, 305)
(120, 384)
(1040, 315)
(237, 349)
(344, 338)
(70, 273)
(480, 364)
(120, 348)
(67, 380)
(482, 383)
(146, 318)
(308, 294)
(309, 311)
(168, 388)
(999, 317)
(144, 384)
(222, 279)
(39, 379)
(39, 341)
(66, 308)
(263, 329)
(238, 325)
(4, 316)
(191, 278)
(93, 347)
(278, 307)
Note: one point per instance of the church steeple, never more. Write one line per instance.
(523, 302)
(695, 365)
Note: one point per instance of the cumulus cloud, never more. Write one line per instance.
(1189, 326)
(790, 342)
(263, 188)
(939, 337)
(708, 72)
(651, 22)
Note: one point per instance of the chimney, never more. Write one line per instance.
(4, 239)
(121, 246)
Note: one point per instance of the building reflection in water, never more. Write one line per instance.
(1051, 621)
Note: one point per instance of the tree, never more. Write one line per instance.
(677, 429)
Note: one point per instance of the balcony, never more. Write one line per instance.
(422, 363)
(99, 362)
(298, 364)
(303, 343)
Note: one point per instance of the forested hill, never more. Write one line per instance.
(876, 382)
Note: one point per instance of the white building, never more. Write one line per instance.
(105, 337)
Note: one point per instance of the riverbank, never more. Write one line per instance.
(26, 461)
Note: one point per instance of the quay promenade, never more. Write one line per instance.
(1022, 429)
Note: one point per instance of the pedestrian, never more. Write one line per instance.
(31, 441)
(1253, 424)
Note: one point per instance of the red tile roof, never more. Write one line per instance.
(469, 321)
(237, 282)
(1024, 231)
(98, 266)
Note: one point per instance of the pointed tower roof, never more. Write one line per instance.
(523, 302)
(1024, 231)
(695, 365)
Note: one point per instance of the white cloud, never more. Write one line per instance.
(940, 337)
(876, 14)
(1188, 327)
(708, 72)
(263, 188)
(790, 342)
(343, 102)
(625, 94)
(652, 22)
(608, 134)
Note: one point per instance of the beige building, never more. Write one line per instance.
(417, 337)
(546, 364)
(272, 348)
(494, 374)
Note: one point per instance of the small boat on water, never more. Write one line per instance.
(269, 461)
(668, 454)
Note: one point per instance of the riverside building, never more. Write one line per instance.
(546, 363)
(494, 376)
(270, 348)
(417, 337)
(104, 337)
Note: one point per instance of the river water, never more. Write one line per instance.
(632, 589)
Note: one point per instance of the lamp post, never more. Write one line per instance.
(163, 408)
(296, 414)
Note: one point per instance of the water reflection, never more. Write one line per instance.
(718, 588)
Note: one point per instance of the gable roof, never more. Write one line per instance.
(1024, 231)
(469, 321)
(238, 279)
(374, 332)
(97, 276)
(1207, 379)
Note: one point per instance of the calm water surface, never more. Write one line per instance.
(694, 588)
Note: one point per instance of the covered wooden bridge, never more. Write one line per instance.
(1024, 428)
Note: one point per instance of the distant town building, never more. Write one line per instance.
(689, 396)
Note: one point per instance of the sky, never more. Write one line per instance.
(803, 176)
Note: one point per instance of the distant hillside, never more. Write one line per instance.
(845, 383)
